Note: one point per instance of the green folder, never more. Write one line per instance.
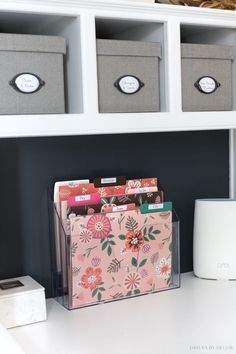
(155, 208)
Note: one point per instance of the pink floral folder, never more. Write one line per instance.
(117, 255)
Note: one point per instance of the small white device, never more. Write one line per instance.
(214, 243)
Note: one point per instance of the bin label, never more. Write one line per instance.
(27, 83)
(207, 84)
(129, 84)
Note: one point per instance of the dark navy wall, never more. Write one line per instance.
(190, 165)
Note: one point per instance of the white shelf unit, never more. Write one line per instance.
(77, 21)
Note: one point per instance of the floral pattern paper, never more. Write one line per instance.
(137, 199)
(118, 255)
(66, 191)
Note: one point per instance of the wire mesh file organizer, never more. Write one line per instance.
(117, 255)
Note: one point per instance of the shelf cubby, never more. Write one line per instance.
(203, 34)
(138, 30)
(58, 25)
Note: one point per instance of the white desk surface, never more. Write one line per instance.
(200, 317)
(7, 343)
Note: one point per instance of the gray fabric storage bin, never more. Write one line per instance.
(130, 66)
(31, 70)
(207, 77)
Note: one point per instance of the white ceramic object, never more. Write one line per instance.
(214, 245)
(23, 304)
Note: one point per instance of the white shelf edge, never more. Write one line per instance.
(125, 5)
(79, 124)
(140, 10)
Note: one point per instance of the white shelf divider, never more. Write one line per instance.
(89, 66)
(174, 67)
